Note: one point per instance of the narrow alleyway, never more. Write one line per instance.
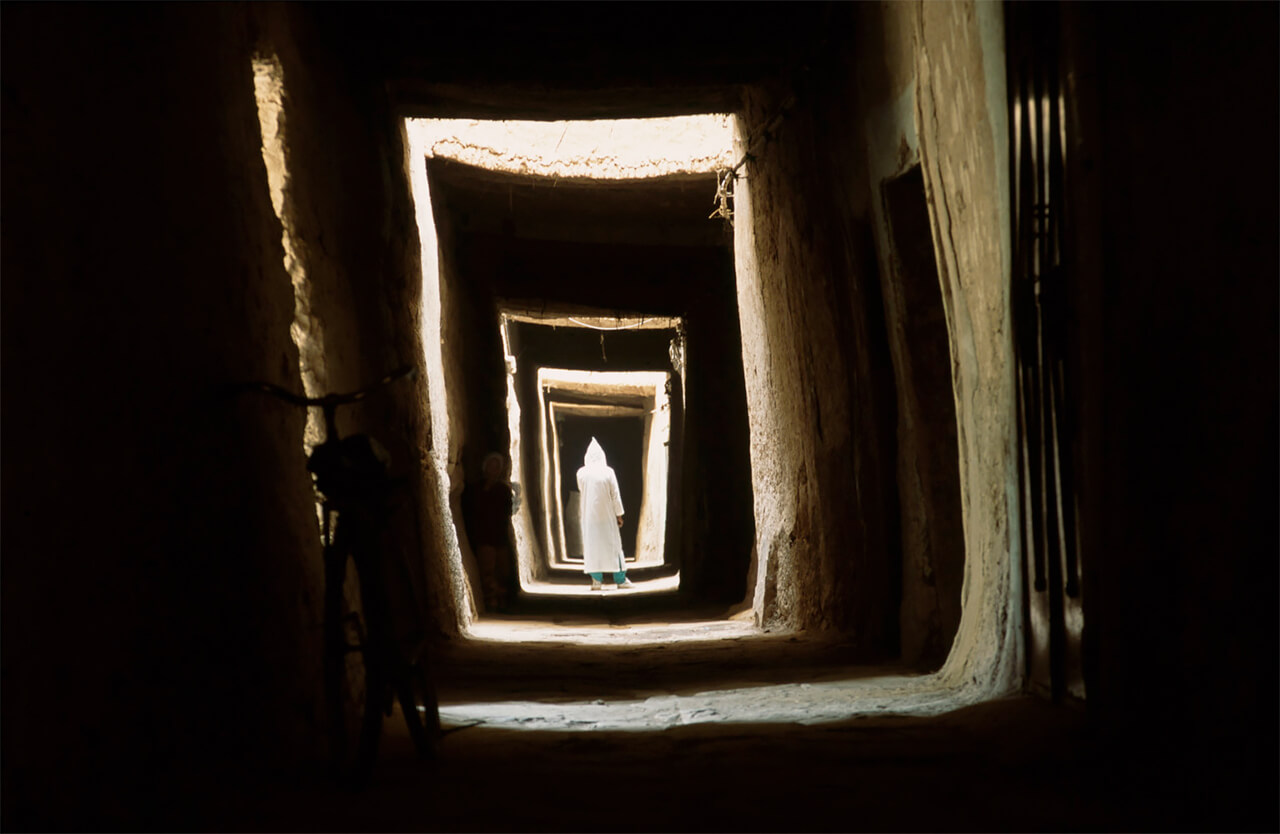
(968, 399)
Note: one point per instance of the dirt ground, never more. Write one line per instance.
(609, 720)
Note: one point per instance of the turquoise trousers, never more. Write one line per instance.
(619, 576)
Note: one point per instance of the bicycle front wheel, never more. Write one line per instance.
(351, 676)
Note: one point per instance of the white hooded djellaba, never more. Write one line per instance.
(601, 506)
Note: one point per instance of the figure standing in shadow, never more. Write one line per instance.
(489, 515)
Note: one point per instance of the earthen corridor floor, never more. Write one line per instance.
(614, 668)
(611, 718)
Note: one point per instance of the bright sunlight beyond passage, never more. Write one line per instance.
(603, 149)
(601, 394)
(607, 149)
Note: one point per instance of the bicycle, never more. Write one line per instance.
(365, 668)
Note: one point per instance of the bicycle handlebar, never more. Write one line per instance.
(330, 400)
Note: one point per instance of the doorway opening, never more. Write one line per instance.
(590, 245)
(790, 327)
(553, 412)
(629, 414)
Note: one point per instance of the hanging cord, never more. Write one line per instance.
(724, 193)
(726, 178)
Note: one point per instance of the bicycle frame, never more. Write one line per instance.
(351, 479)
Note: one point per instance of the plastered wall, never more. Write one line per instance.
(941, 100)
(825, 498)
(817, 377)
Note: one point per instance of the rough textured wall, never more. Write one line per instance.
(817, 376)
(933, 90)
(962, 123)
(933, 545)
(530, 561)
(159, 537)
(351, 220)
(822, 495)
(421, 537)
(449, 589)
(458, 318)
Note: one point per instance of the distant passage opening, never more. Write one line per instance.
(554, 414)
(629, 417)
(591, 246)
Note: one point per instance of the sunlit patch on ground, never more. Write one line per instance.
(790, 703)
(581, 587)
(593, 671)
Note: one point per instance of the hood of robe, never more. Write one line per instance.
(595, 455)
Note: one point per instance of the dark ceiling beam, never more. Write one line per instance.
(570, 60)
(542, 102)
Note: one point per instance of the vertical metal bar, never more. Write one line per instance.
(1040, 328)
(1026, 312)
(1070, 543)
(1024, 480)
(1040, 241)
(1058, 339)
(1020, 290)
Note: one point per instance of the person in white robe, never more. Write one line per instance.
(601, 517)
